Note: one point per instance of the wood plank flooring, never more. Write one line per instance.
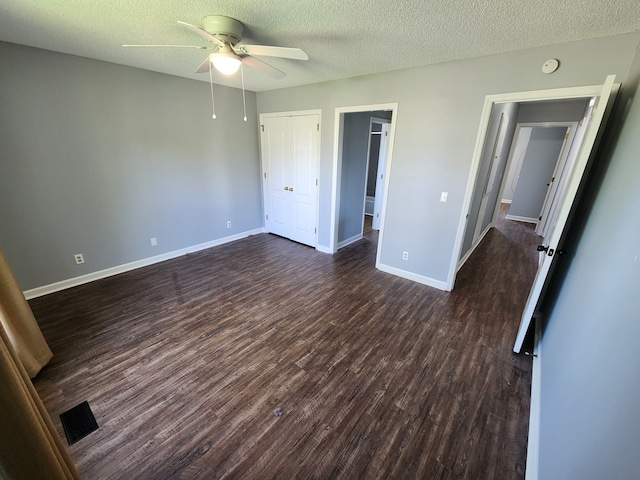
(184, 362)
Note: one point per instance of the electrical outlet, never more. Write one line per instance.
(154, 241)
(78, 258)
(405, 255)
(444, 196)
(228, 223)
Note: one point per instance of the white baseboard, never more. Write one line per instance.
(533, 445)
(473, 247)
(505, 200)
(521, 219)
(431, 282)
(324, 249)
(349, 241)
(108, 272)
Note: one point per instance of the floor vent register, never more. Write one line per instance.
(78, 422)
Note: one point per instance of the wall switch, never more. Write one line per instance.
(444, 196)
(228, 223)
(405, 255)
(78, 258)
(154, 242)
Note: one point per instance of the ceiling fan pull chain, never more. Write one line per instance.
(244, 103)
(213, 105)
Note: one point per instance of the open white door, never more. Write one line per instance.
(382, 167)
(554, 194)
(565, 208)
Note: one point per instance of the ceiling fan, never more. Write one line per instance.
(225, 34)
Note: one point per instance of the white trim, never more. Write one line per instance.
(551, 94)
(489, 101)
(474, 246)
(561, 172)
(351, 240)
(337, 166)
(431, 282)
(571, 123)
(108, 272)
(506, 200)
(324, 249)
(533, 444)
(518, 218)
(295, 113)
(464, 259)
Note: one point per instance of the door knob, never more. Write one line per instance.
(542, 248)
(291, 189)
(286, 188)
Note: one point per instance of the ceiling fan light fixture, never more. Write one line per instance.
(226, 63)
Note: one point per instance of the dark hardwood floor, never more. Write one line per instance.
(184, 362)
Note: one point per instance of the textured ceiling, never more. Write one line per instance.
(343, 38)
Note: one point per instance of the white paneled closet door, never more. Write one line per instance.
(290, 154)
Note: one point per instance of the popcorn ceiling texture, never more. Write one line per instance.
(343, 38)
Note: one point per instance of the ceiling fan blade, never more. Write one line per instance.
(268, 51)
(171, 46)
(263, 67)
(204, 66)
(203, 33)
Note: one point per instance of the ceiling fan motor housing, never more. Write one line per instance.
(225, 28)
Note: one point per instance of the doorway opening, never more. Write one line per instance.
(353, 147)
(540, 160)
(597, 98)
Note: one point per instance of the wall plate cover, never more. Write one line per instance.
(550, 66)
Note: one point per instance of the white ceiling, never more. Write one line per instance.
(342, 38)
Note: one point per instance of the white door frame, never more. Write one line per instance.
(516, 97)
(337, 167)
(558, 170)
(296, 113)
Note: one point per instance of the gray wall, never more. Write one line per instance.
(98, 158)
(372, 170)
(552, 111)
(355, 145)
(510, 110)
(439, 109)
(519, 149)
(590, 367)
(538, 165)
(130, 135)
